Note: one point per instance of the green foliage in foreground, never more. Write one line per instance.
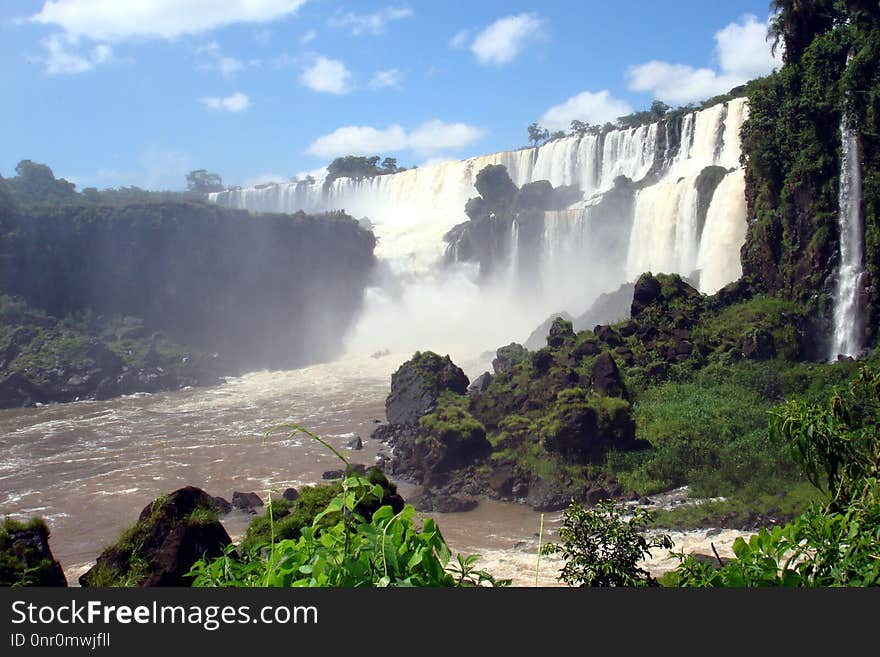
(386, 549)
(601, 548)
(836, 543)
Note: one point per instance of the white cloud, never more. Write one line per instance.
(439, 136)
(373, 24)
(460, 39)
(427, 138)
(382, 79)
(359, 140)
(212, 59)
(327, 75)
(62, 59)
(503, 40)
(308, 37)
(233, 103)
(112, 20)
(595, 108)
(742, 52)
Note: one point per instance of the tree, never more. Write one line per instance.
(201, 181)
(797, 22)
(579, 128)
(538, 134)
(600, 548)
(35, 183)
(389, 165)
(659, 109)
(557, 134)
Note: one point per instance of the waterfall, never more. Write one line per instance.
(585, 250)
(848, 319)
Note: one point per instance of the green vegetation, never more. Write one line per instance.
(343, 546)
(835, 542)
(24, 556)
(792, 146)
(353, 166)
(602, 549)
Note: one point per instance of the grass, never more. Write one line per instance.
(741, 510)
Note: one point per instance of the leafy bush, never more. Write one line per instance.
(600, 548)
(386, 549)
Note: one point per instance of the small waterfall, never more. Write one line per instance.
(848, 318)
(513, 257)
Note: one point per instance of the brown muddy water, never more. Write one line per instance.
(90, 467)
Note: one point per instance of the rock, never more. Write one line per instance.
(586, 348)
(542, 360)
(647, 291)
(656, 372)
(16, 390)
(355, 444)
(547, 496)
(480, 384)
(759, 345)
(290, 494)
(607, 335)
(221, 505)
(417, 385)
(354, 469)
(538, 337)
(493, 183)
(437, 502)
(560, 331)
(169, 538)
(508, 356)
(25, 556)
(246, 501)
(645, 501)
(606, 377)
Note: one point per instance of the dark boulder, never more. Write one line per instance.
(290, 494)
(647, 291)
(440, 502)
(222, 505)
(508, 356)
(493, 183)
(246, 501)
(480, 384)
(355, 444)
(417, 385)
(171, 534)
(560, 331)
(607, 335)
(606, 377)
(16, 390)
(25, 556)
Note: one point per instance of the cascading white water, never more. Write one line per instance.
(848, 329)
(665, 236)
(422, 305)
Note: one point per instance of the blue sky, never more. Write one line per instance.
(111, 93)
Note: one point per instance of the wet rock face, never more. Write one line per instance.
(171, 534)
(417, 385)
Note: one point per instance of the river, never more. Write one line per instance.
(89, 467)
